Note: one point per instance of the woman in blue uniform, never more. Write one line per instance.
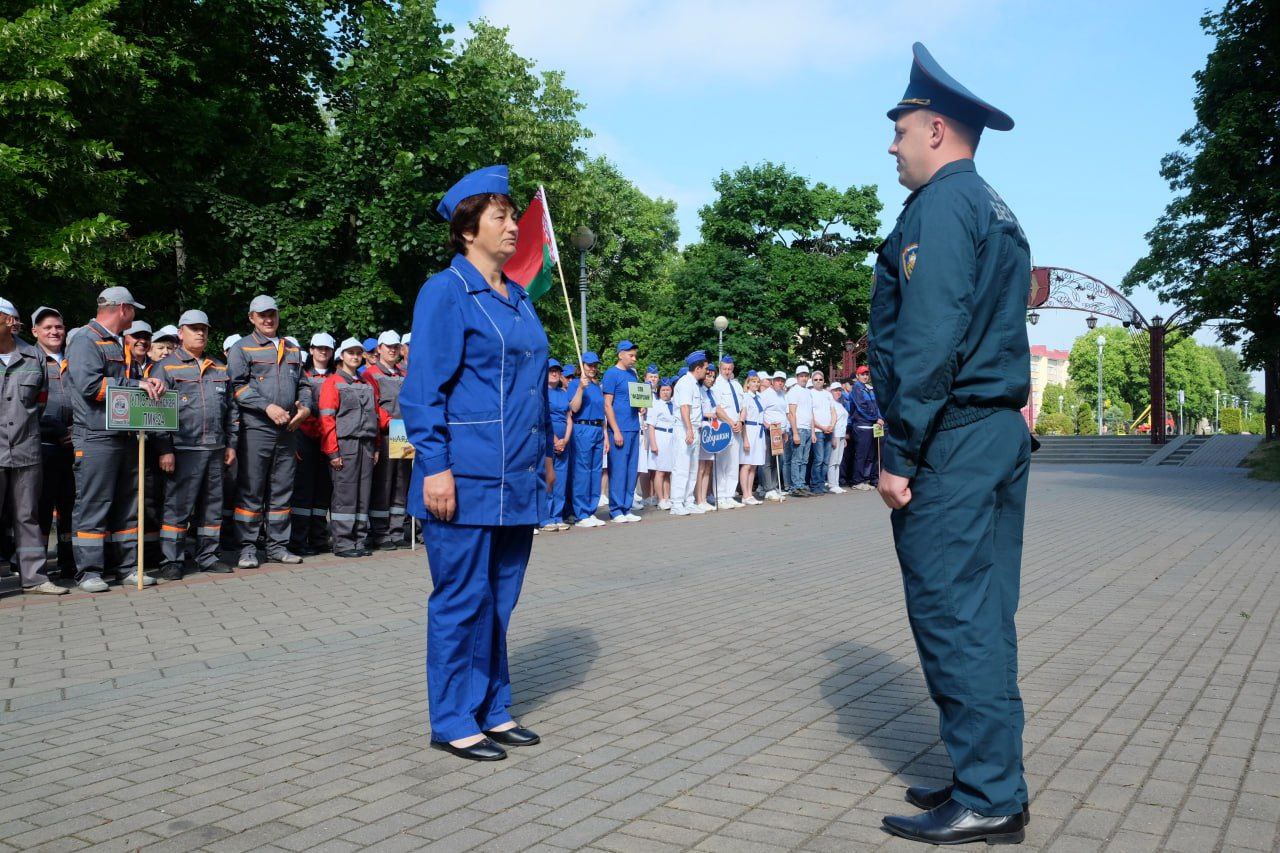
(586, 402)
(562, 427)
(476, 410)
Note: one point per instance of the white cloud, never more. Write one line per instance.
(671, 43)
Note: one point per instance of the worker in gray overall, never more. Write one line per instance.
(390, 476)
(58, 493)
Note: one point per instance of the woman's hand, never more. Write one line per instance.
(440, 495)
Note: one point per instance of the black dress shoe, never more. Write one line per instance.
(170, 572)
(485, 750)
(952, 823)
(926, 797)
(218, 568)
(354, 552)
(519, 736)
(363, 552)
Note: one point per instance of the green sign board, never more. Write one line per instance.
(132, 409)
(877, 431)
(641, 395)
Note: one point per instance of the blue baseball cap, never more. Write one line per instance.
(624, 345)
(589, 357)
(694, 357)
(370, 344)
(570, 370)
(490, 179)
(751, 373)
(552, 364)
(934, 89)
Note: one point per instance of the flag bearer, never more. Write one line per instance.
(312, 483)
(266, 375)
(23, 392)
(193, 458)
(390, 476)
(58, 493)
(949, 354)
(624, 433)
(586, 402)
(351, 424)
(106, 514)
(475, 407)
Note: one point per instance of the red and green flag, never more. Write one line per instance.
(534, 263)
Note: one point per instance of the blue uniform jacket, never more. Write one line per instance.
(862, 405)
(558, 400)
(948, 337)
(475, 398)
(592, 408)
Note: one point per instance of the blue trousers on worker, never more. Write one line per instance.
(623, 462)
(798, 463)
(587, 446)
(558, 490)
(959, 542)
(818, 464)
(476, 574)
(866, 467)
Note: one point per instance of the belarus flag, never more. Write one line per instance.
(536, 257)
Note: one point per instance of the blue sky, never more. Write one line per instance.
(677, 91)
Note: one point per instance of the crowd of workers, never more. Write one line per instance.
(283, 452)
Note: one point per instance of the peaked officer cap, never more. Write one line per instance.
(932, 88)
(726, 359)
(490, 179)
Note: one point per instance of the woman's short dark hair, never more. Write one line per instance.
(466, 217)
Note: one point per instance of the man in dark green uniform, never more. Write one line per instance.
(949, 357)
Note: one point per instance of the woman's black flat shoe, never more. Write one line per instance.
(485, 750)
(519, 736)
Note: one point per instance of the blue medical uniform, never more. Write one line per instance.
(587, 446)
(558, 400)
(623, 467)
(475, 403)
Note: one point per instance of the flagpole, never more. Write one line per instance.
(564, 288)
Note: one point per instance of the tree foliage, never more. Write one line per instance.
(1216, 248)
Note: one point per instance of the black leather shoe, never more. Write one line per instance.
(354, 552)
(363, 552)
(170, 572)
(387, 545)
(925, 797)
(952, 823)
(519, 736)
(485, 750)
(218, 568)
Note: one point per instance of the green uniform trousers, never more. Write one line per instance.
(959, 542)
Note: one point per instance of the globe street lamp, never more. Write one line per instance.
(1216, 392)
(721, 323)
(1102, 342)
(583, 239)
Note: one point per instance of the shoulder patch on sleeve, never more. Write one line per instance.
(909, 260)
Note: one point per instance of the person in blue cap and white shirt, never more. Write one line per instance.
(949, 356)
(624, 433)
(476, 409)
(687, 400)
(586, 403)
(562, 427)
(728, 396)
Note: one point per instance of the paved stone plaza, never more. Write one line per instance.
(739, 682)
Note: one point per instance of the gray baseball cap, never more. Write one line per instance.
(118, 296)
(193, 318)
(262, 303)
(44, 311)
(138, 328)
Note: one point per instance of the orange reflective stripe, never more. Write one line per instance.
(85, 534)
(279, 350)
(79, 454)
(284, 511)
(173, 527)
(126, 530)
(105, 343)
(102, 391)
(242, 511)
(242, 390)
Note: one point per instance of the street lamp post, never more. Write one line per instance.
(583, 239)
(1102, 342)
(1216, 392)
(721, 323)
(1060, 399)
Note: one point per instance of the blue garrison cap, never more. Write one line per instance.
(370, 344)
(552, 363)
(726, 359)
(669, 381)
(932, 88)
(490, 179)
(653, 368)
(751, 373)
(589, 357)
(624, 345)
(694, 357)
(681, 372)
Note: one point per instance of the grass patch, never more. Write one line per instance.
(1264, 461)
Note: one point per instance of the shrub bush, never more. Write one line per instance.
(1054, 424)
(1231, 421)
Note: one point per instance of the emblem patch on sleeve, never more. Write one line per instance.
(909, 260)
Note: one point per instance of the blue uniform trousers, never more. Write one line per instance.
(866, 465)
(959, 542)
(818, 463)
(622, 473)
(587, 446)
(476, 574)
(555, 495)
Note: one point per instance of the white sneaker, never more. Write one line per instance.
(632, 517)
(706, 507)
(536, 531)
(621, 519)
(679, 509)
(664, 504)
(586, 522)
(864, 487)
(595, 522)
(772, 495)
(131, 579)
(93, 582)
(560, 525)
(836, 490)
(737, 504)
(696, 509)
(47, 588)
(752, 501)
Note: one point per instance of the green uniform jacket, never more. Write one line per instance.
(948, 335)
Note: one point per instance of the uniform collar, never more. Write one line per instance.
(475, 282)
(955, 167)
(103, 332)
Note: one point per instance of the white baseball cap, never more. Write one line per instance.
(778, 374)
(405, 340)
(6, 307)
(389, 338)
(791, 383)
(262, 303)
(166, 332)
(229, 341)
(803, 368)
(351, 343)
(323, 339)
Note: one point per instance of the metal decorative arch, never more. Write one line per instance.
(1059, 287)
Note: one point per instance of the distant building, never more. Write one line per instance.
(1048, 367)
